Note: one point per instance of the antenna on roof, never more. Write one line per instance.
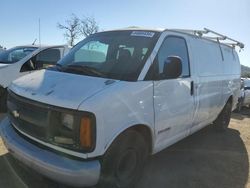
(39, 31)
(33, 43)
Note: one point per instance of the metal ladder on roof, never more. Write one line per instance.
(217, 36)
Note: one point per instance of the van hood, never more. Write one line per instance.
(59, 88)
(3, 65)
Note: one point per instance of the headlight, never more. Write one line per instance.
(68, 121)
(74, 130)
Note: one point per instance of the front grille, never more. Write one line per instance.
(43, 121)
(28, 116)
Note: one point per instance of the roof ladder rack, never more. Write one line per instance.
(218, 37)
(223, 37)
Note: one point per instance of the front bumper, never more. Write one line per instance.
(58, 168)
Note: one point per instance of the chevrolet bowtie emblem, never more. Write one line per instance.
(15, 113)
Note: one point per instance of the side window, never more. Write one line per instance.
(16, 55)
(47, 58)
(44, 59)
(174, 46)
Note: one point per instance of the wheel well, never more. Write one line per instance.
(230, 99)
(146, 133)
(3, 99)
(1, 89)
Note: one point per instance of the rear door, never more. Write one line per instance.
(173, 98)
(209, 85)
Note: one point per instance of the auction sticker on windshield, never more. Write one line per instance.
(142, 34)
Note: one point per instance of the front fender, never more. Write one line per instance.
(118, 108)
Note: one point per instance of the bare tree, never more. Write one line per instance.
(2, 48)
(88, 26)
(75, 27)
(72, 29)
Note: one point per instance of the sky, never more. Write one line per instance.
(19, 18)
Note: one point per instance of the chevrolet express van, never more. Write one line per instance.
(117, 97)
(21, 60)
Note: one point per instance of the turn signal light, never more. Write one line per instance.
(86, 133)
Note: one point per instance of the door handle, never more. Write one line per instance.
(192, 88)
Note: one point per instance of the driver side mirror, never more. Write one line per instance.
(172, 67)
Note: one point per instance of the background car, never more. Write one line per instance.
(244, 98)
(22, 60)
(246, 89)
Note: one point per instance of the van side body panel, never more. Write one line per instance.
(208, 87)
(232, 74)
(218, 78)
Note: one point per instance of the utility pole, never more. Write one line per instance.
(39, 32)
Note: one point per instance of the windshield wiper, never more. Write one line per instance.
(76, 68)
(56, 67)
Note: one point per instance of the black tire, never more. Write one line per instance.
(3, 100)
(223, 120)
(123, 162)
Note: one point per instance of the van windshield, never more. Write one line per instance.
(118, 55)
(14, 55)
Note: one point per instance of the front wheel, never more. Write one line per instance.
(124, 161)
(222, 121)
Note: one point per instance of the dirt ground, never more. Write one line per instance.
(207, 159)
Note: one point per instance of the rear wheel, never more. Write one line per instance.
(3, 100)
(124, 161)
(222, 121)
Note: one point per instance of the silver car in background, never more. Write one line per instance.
(246, 89)
(244, 98)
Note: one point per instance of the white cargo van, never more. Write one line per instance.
(21, 60)
(117, 97)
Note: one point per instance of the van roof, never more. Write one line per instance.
(135, 28)
(41, 47)
(203, 34)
